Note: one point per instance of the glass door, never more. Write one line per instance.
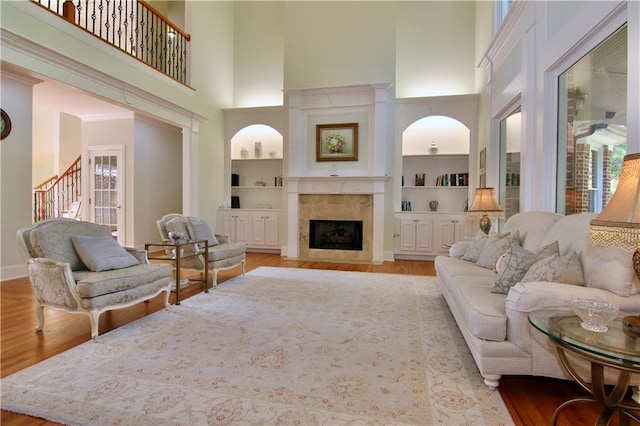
(105, 183)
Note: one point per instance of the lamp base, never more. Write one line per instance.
(631, 324)
(485, 223)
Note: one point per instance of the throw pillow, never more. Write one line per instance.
(565, 269)
(495, 246)
(102, 253)
(474, 248)
(199, 229)
(177, 224)
(517, 262)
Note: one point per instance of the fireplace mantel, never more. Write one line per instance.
(336, 184)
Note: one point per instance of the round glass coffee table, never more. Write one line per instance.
(614, 348)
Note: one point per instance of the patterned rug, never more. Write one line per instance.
(276, 346)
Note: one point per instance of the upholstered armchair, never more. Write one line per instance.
(78, 267)
(222, 253)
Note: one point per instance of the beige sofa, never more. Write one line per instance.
(495, 326)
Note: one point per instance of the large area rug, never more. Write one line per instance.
(276, 346)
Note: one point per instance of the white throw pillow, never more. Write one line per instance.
(474, 248)
(102, 253)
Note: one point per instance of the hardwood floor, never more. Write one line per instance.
(531, 401)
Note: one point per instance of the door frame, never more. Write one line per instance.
(88, 211)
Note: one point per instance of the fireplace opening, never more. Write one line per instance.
(335, 234)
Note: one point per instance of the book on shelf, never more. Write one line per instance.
(453, 179)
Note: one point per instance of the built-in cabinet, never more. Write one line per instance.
(429, 234)
(257, 182)
(258, 229)
(440, 178)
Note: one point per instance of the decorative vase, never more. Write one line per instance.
(433, 205)
(244, 153)
(257, 149)
(433, 149)
(419, 179)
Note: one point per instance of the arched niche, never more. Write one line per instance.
(450, 136)
(270, 139)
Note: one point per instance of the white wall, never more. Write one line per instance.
(15, 172)
(156, 179)
(338, 43)
(435, 53)
(70, 141)
(46, 135)
(258, 62)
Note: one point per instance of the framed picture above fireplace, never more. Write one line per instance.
(337, 142)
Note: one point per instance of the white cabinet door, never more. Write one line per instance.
(233, 224)
(415, 234)
(272, 230)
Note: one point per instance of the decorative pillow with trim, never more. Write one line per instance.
(102, 253)
(517, 262)
(565, 269)
(495, 246)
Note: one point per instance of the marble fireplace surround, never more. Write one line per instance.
(336, 198)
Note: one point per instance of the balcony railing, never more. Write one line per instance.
(132, 26)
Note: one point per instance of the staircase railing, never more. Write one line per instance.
(57, 194)
(132, 26)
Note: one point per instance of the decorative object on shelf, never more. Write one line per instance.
(483, 159)
(257, 149)
(278, 181)
(260, 183)
(244, 153)
(272, 154)
(433, 205)
(6, 125)
(433, 149)
(406, 206)
(619, 222)
(334, 170)
(419, 179)
(337, 142)
(235, 202)
(486, 205)
(235, 179)
(595, 314)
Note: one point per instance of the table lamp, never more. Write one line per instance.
(619, 222)
(485, 204)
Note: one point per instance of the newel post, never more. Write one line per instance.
(69, 11)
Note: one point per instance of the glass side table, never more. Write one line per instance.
(178, 254)
(614, 349)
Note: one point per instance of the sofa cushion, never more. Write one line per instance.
(102, 253)
(53, 240)
(484, 312)
(517, 262)
(226, 251)
(93, 284)
(533, 227)
(565, 269)
(495, 246)
(199, 229)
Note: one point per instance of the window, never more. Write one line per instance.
(510, 142)
(592, 126)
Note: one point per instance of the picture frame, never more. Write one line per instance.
(337, 142)
(483, 159)
(483, 180)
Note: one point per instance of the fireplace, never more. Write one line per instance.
(335, 234)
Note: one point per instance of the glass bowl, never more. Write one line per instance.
(595, 314)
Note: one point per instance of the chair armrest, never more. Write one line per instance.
(141, 255)
(53, 283)
(222, 239)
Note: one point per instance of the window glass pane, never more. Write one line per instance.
(510, 147)
(592, 126)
